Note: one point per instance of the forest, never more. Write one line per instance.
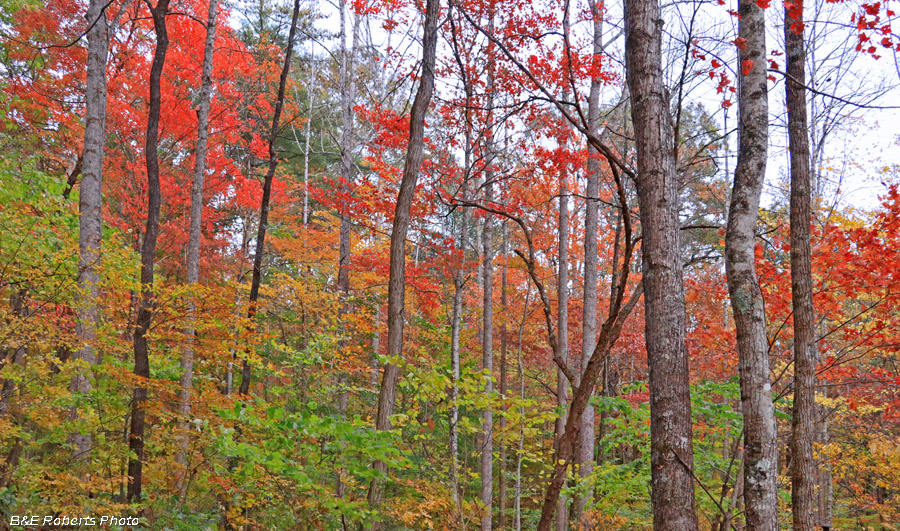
(450, 265)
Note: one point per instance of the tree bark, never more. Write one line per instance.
(504, 287)
(90, 208)
(244, 389)
(487, 352)
(671, 445)
(455, 324)
(585, 456)
(562, 341)
(148, 254)
(803, 431)
(193, 253)
(397, 275)
(760, 453)
(348, 96)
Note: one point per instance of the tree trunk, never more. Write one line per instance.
(504, 287)
(193, 254)
(562, 342)
(90, 208)
(803, 431)
(826, 491)
(517, 503)
(348, 96)
(397, 276)
(487, 351)
(585, 456)
(671, 445)
(148, 254)
(455, 323)
(244, 389)
(760, 454)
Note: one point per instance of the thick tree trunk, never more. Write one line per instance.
(193, 253)
(244, 389)
(585, 456)
(562, 341)
(90, 208)
(487, 355)
(803, 434)
(397, 275)
(148, 253)
(760, 454)
(671, 445)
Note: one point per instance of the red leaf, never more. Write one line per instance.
(747, 66)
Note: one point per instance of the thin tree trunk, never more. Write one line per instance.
(562, 342)
(487, 353)
(803, 431)
(585, 454)
(760, 454)
(90, 208)
(520, 451)
(244, 389)
(455, 323)
(397, 276)
(310, 95)
(148, 254)
(193, 254)
(504, 287)
(671, 445)
(348, 96)
(826, 491)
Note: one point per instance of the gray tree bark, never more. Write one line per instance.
(803, 430)
(487, 354)
(562, 341)
(397, 274)
(193, 253)
(760, 453)
(459, 280)
(585, 456)
(348, 97)
(90, 208)
(671, 444)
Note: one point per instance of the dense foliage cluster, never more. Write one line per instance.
(272, 424)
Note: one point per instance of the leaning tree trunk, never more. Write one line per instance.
(760, 453)
(267, 192)
(397, 275)
(193, 253)
(148, 253)
(562, 341)
(90, 205)
(803, 433)
(671, 446)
